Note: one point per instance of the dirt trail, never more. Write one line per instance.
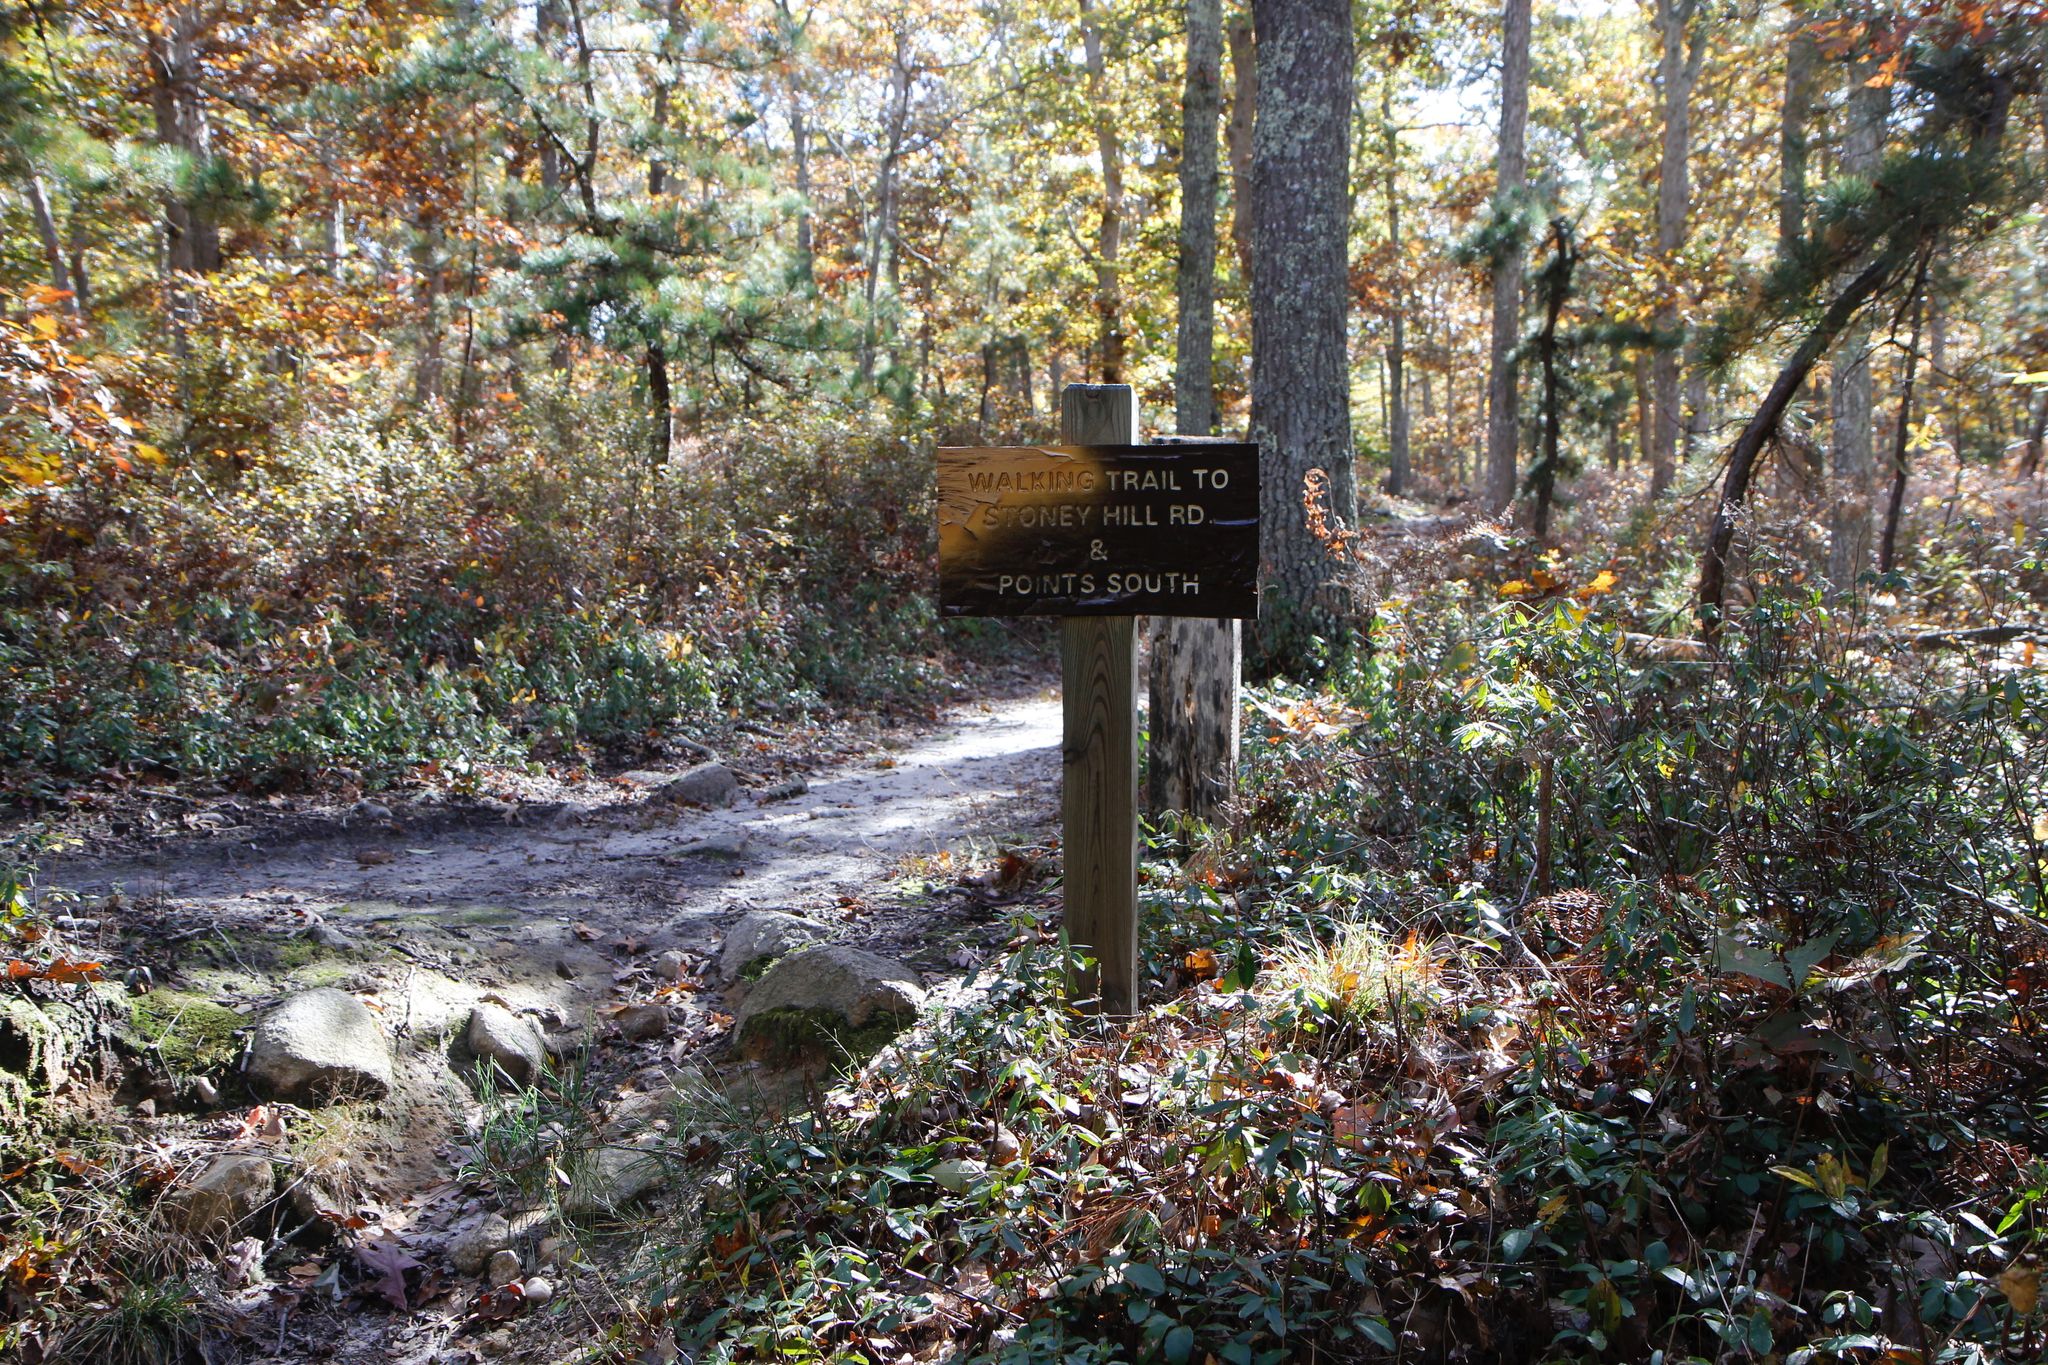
(563, 912)
(673, 878)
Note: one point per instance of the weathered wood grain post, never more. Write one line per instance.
(1191, 755)
(1099, 754)
(1099, 530)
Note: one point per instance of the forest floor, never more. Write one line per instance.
(570, 903)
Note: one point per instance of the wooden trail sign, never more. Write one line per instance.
(1097, 530)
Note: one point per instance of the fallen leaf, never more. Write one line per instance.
(386, 1262)
(61, 969)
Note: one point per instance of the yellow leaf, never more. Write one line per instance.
(1602, 583)
(150, 454)
(46, 326)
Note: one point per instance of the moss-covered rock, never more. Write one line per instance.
(824, 1002)
(192, 1034)
(799, 1037)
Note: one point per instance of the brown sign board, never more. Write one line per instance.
(1154, 530)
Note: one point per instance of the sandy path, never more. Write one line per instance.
(562, 912)
(509, 894)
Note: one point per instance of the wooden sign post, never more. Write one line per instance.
(1098, 530)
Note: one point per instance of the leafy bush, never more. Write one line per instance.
(370, 600)
(1554, 996)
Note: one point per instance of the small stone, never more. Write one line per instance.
(475, 1245)
(327, 936)
(367, 809)
(614, 1177)
(731, 843)
(146, 1108)
(707, 784)
(140, 980)
(501, 1039)
(957, 1174)
(672, 966)
(564, 970)
(640, 1023)
(503, 1268)
(537, 1291)
(498, 1343)
(205, 1091)
(227, 1194)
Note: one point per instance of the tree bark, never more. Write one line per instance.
(427, 270)
(1398, 476)
(1301, 414)
(1555, 282)
(1192, 755)
(53, 246)
(2037, 436)
(657, 155)
(1851, 466)
(1503, 407)
(1713, 585)
(192, 237)
(1195, 275)
(882, 232)
(661, 406)
(1887, 552)
(1244, 99)
(548, 26)
(800, 145)
(1677, 69)
(1802, 56)
(1109, 234)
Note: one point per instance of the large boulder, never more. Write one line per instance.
(827, 1000)
(761, 936)
(227, 1194)
(500, 1039)
(320, 1044)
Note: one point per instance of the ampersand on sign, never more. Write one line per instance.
(1096, 552)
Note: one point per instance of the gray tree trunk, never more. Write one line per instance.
(882, 232)
(1678, 64)
(1192, 756)
(1301, 414)
(427, 268)
(1398, 476)
(800, 145)
(1852, 466)
(1503, 405)
(1802, 57)
(1195, 276)
(192, 238)
(1110, 230)
(53, 246)
(1244, 99)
